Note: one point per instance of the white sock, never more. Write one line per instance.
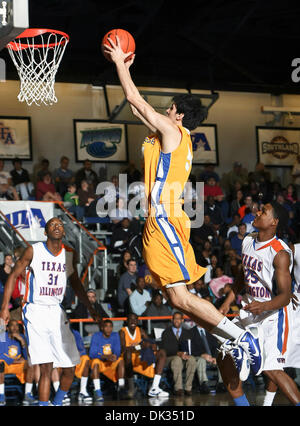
(28, 388)
(83, 384)
(227, 329)
(97, 384)
(269, 397)
(2, 388)
(56, 385)
(121, 382)
(156, 381)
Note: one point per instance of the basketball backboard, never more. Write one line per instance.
(14, 19)
(159, 100)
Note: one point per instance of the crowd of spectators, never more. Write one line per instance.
(230, 204)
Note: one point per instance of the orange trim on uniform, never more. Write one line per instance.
(26, 287)
(275, 244)
(286, 331)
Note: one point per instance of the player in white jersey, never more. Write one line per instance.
(293, 348)
(266, 277)
(50, 340)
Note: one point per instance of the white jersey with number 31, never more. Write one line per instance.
(46, 278)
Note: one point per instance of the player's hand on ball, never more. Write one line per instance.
(115, 51)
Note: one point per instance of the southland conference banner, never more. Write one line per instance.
(277, 146)
(28, 217)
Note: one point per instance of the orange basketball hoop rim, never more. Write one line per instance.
(33, 32)
(37, 53)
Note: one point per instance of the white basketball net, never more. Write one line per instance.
(37, 66)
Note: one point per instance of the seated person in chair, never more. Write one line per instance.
(105, 355)
(13, 360)
(142, 356)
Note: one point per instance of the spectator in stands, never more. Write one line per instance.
(21, 180)
(133, 174)
(219, 282)
(63, 176)
(140, 298)
(81, 312)
(237, 174)
(6, 268)
(105, 355)
(223, 292)
(213, 210)
(246, 206)
(204, 349)
(150, 283)
(13, 360)
(211, 188)
(230, 263)
(121, 236)
(199, 288)
(126, 283)
(233, 226)
(86, 173)
(140, 354)
(253, 190)
(209, 171)
(250, 216)
(123, 266)
(41, 169)
(200, 235)
(214, 261)
(260, 174)
(296, 175)
(172, 341)
(291, 193)
(275, 190)
(120, 212)
(157, 309)
(45, 189)
(236, 240)
(71, 201)
(86, 194)
(7, 190)
(205, 261)
(237, 202)
(70, 196)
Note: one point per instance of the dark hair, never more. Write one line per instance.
(107, 321)
(16, 160)
(130, 260)
(280, 213)
(177, 313)
(192, 108)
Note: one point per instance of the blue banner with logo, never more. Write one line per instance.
(28, 217)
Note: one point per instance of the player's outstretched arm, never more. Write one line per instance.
(237, 287)
(18, 269)
(155, 119)
(80, 292)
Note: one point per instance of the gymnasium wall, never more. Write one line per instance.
(235, 113)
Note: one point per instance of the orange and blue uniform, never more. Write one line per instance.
(166, 248)
(11, 353)
(138, 365)
(102, 345)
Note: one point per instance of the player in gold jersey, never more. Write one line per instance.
(166, 248)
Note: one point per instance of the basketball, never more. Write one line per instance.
(126, 40)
